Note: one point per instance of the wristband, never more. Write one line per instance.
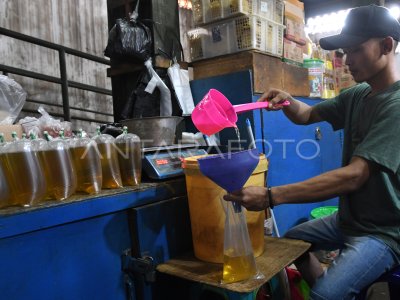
(270, 200)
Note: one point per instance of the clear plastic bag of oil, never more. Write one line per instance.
(109, 160)
(87, 165)
(129, 157)
(5, 185)
(23, 171)
(55, 158)
(239, 261)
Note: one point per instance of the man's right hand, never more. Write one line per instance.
(275, 97)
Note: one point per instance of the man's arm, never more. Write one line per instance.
(298, 112)
(330, 184)
(327, 185)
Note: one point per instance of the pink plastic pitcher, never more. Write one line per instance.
(214, 112)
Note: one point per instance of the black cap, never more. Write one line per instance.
(363, 23)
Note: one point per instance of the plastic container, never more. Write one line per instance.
(214, 112)
(129, 157)
(241, 33)
(323, 211)
(87, 165)
(207, 215)
(315, 76)
(206, 11)
(109, 161)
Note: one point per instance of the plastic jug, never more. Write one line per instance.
(214, 112)
(129, 157)
(109, 160)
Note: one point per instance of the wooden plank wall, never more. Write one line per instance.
(78, 24)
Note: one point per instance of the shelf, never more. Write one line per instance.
(268, 71)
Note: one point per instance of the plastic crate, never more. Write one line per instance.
(274, 43)
(208, 11)
(247, 32)
(196, 41)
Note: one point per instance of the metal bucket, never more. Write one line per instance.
(154, 131)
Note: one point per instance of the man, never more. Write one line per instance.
(367, 226)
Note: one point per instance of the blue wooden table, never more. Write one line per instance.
(72, 249)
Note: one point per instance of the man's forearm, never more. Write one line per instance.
(333, 183)
(298, 112)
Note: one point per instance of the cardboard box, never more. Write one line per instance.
(292, 51)
(294, 9)
(6, 130)
(295, 31)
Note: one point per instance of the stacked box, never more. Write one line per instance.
(295, 37)
(247, 32)
(292, 52)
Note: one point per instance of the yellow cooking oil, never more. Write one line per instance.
(130, 163)
(26, 176)
(238, 268)
(88, 169)
(110, 166)
(59, 173)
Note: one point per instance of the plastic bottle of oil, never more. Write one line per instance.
(129, 157)
(109, 160)
(87, 165)
(56, 160)
(24, 172)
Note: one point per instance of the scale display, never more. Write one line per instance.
(163, 165)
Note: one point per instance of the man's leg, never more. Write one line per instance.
(361, 262)
(309, 267)
(323, 234)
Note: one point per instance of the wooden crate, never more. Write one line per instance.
(268, 71)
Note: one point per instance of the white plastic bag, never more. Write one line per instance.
(180, 82)
(12, 99)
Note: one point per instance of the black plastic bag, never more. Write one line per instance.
(143, 104)
(129, 39)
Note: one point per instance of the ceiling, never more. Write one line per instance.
(319, 7)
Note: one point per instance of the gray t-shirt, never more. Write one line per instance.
(371, 131)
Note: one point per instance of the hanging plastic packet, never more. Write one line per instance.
(231, 171)
(180, 81)
(129, 39)
(129, 157)
(109, 160)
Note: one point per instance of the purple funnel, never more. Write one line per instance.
(230, 170)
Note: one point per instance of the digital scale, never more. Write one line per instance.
(165, 162)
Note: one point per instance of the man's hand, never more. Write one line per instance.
(253, 198)
(274, 97)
